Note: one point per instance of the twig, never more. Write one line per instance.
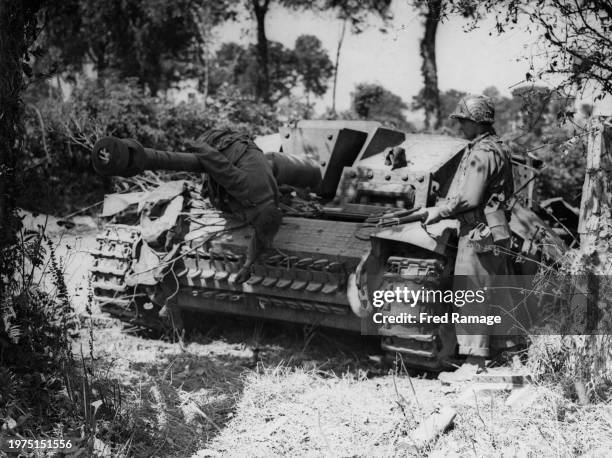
(81, 210)
(401, 398)
(206, 417)
(478, 410)
(416, 399)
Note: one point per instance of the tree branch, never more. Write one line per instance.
(588, 26)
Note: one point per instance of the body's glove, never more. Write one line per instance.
(286, 189)
(434, 214)
(243, 275)
(418, 214)
(396, 158)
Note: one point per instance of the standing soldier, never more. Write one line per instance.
(477, 198)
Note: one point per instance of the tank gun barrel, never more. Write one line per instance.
(126, 157)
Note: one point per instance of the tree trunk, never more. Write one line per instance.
(17, 29)
(12, 26)
(263, 81)
(595, 216)
(595, 205)
(429, 70)
(337, 65)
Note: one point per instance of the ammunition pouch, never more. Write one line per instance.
(498, 224)
(480, 238)
(492, 235)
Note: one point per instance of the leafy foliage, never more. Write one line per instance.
(564, 166)
(372, 101)
(239, 65)
(34, 326)
(541, 122)
(35, 334)
(308, 64)
(530, 122)
(312, 64)
(44, 390)
(580, 283)
(122, 108)
(155, 41)
(356, 11)
(576, 37)
(349, 10)
(18, 31)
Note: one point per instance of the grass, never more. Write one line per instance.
(295, 412)
(245, 388)
(211, 398)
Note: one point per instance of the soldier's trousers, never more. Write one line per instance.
(489, 272)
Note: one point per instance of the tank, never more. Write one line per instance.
(347, 231)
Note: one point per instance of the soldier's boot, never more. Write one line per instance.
(468, 370)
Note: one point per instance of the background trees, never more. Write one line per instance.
(575, 37)
(313, 65)
(158, 44)
(372, 101)
(354, 11)
(307, 66)
(154, 41)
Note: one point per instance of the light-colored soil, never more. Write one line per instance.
(295, 396)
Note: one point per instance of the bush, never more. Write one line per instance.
(35, 337)
(60, 135)
(563, 173)
(580, 283)
(562, 149)
(45, 391)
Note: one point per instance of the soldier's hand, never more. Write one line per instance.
(418, 214)
(433, 215)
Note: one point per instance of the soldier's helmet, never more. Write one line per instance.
(477, 108)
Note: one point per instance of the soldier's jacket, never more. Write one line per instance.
(484, 176)
(240, 179)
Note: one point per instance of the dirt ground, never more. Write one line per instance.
(251, 388)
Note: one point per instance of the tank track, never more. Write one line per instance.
(418, 345)
(111, 261)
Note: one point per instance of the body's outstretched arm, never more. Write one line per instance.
(222, 171)
(255, 248)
